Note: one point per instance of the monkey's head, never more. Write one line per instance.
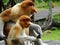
(24, 21)
(28, 7)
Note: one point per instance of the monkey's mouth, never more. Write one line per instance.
(33, 12)
(26, 26)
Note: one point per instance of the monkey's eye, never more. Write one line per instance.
(26, 20)
(30, 5)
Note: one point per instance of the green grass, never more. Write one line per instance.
(57, 3)
(52, 35)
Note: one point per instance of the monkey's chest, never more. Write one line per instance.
(23, 34)
(25, 31)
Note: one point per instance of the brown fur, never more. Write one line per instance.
(25, 7)
(17, 28)
(5, 14)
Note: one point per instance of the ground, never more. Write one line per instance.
(49, 42)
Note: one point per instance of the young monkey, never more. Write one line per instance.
(18, 30)
(21, 30)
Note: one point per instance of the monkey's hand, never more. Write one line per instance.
(39, 36)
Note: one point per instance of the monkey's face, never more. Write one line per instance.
(31, 9)
(24, 21)
(28, 7)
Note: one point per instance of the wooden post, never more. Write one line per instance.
(50, 11)
(49, 22)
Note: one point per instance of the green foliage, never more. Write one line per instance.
(57, 3)
(5, 1)
(41, 5)
(49, 0)
(57, 17)
(45, 5)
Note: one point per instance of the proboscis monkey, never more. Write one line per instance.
(19, 29)
(12, 14)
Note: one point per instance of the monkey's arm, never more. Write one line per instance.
(14, 32)
(4, 16)
(11, 34)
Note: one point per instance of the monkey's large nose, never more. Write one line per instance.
(33, 10)
(28, 23)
